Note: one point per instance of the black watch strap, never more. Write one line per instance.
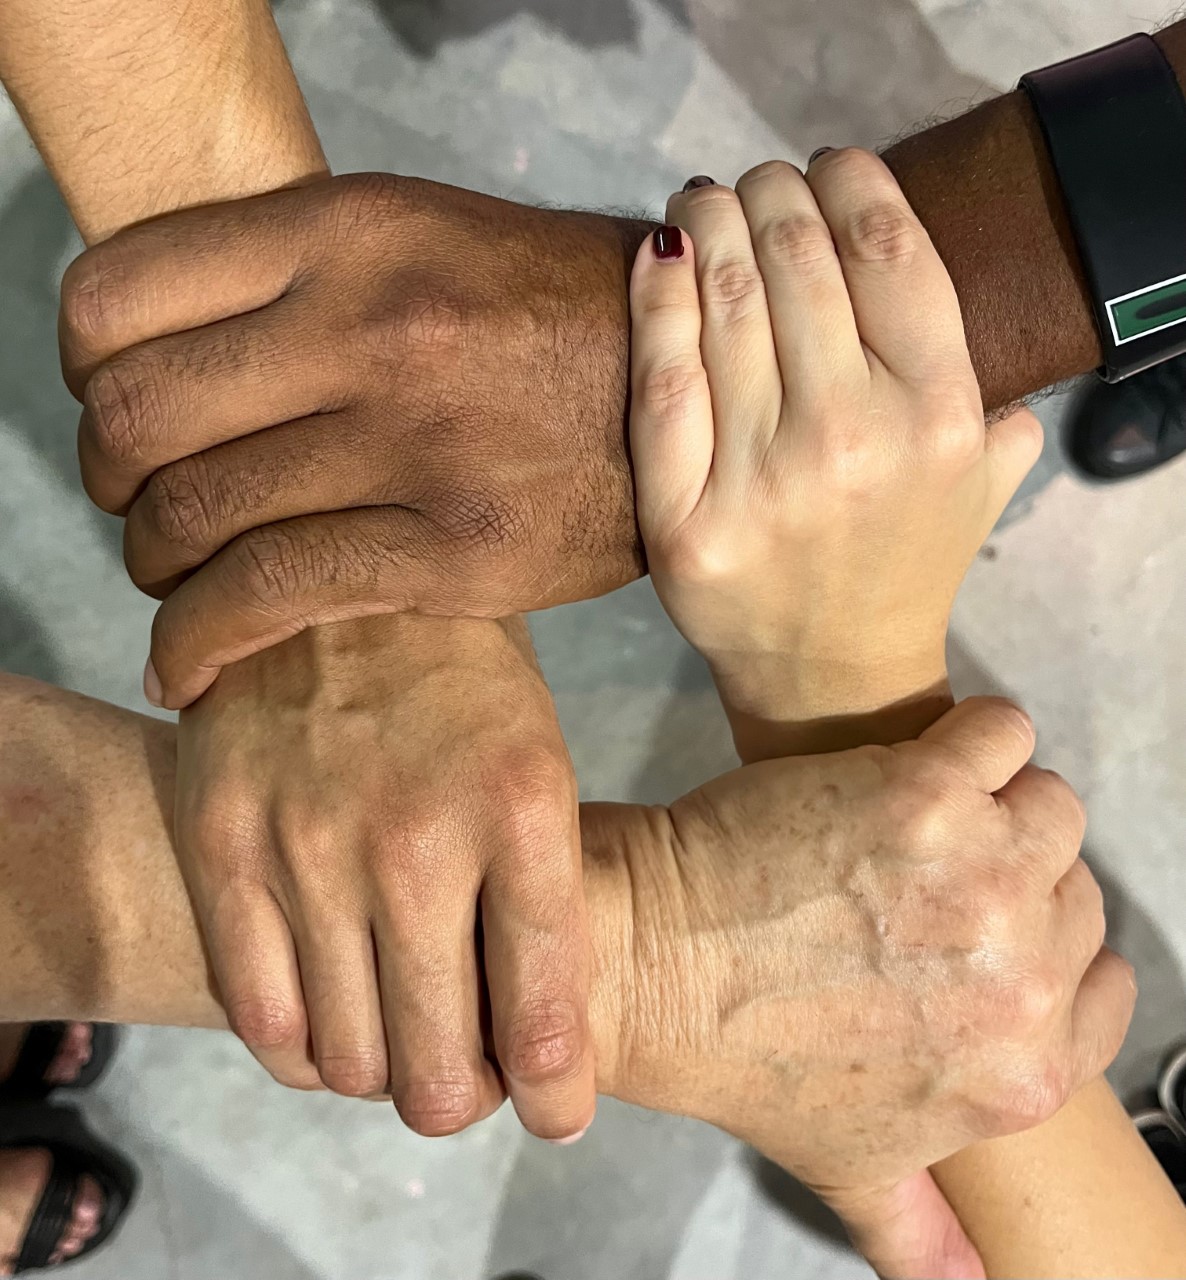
(1115, 123)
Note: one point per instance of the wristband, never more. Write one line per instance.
(1115, 123)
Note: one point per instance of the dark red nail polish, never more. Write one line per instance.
(815, 155)
(700, 180)
(669, 243)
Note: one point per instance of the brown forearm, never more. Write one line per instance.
(985, 189)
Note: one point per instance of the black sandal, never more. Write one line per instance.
(42, 1041)
(75, 1153)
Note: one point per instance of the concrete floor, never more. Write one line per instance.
(1080, 613)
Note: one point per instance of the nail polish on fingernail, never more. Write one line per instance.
(669, 244)
(153, 689)
(700, 180)
(815, 155)
(567, 1142)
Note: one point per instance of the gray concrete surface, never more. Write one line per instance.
(1079, 612)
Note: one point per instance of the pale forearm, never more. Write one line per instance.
(140, 107)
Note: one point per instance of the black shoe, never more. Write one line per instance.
(1131, 427)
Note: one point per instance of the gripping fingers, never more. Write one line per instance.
(671, 427)
(258, 978)
(1101, 1014)
(537, 967)
(342, 999)
(815, 332)
(441, 1080)
(736, 343)
(905, 305)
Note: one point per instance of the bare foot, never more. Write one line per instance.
(73, 1053)
(24, 1172)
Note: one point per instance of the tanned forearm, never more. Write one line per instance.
(140, 107)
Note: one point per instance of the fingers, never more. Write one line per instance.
(905, 305)
(338, 976)
(908, 1230)
(441, 1080)
(815, 331)
(194, 268)
(986, 740)
(258, 979)
(191, 509)
(536, 939)
(273, 582)
(735, 340)
(1079, 921)
(1047, 817)
(1101, 1015)
(671, 424)
(179, 395)
(1012, 446)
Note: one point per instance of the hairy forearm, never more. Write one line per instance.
(143, 106)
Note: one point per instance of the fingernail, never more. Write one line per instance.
(567, 1142)
(700, 180)
(669, 244)
(815, 155)
(153, 690)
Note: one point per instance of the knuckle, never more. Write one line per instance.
(924, 818)
(1034, 1097)
(768, 170)
(264, 1023)
(536, 792)
(419, 312)
(437, 1107)
(543, 1045)
(481, 522)
(731, 287)
(953, 440)
(123, 402)
(715, 197)
(1001, 722)
(175, 506)
(673, 390)
(358, 201)
(1026, 1003)
(798, 241)
(884, 233)
(361, 1073)
(95, 297)
(275, 566)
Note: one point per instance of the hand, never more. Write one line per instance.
(814, 474)
(863, 962)
(341, 811)
(369, 394)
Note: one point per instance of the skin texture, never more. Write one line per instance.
(832, 381)
(308, 920)
(805, 440)
(525, 499)
(763, 949)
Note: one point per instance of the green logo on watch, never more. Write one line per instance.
(1160, 306)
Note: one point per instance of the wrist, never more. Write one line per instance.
(783, 705)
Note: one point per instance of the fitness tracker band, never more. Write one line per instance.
(1115, 123)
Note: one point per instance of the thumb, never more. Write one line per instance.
(1013, 445)
(908, 1231)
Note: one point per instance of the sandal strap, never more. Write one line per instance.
(54, 1211)
(42, 1042)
